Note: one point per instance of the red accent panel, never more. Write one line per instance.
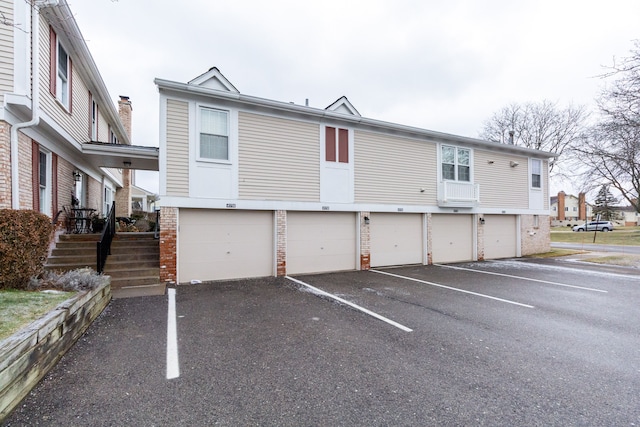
(35, 174)
(53, 53)
(343, 145)
(330, 144)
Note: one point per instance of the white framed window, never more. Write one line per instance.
(213, 134)
(62, 75)
(44, 181)
(456, 163)
(94, 121)
(536, 221)
(536, 173)
(336, 145)
(113, 139)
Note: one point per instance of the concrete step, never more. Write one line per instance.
(135, 272)
(116, 257)
(139, 291)
(117, 282)
(72, 259)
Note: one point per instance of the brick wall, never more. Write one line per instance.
(535, 239)
(429, 239)
(365, 242)
(561, 205)
(123, 195)
(480, 239)
(5, 166)
(168, 243)
(281, 243)
(25, 175)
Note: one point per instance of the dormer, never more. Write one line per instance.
(343, 106)
(213, 79)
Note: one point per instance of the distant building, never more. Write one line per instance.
(569, 210)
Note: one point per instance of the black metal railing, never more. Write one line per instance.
(156, 229)
(104, 244)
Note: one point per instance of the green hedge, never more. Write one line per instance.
(24, 244)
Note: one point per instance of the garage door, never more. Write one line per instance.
(500, 236)
(320, 241)
(396, 239)
(214, 245)
(452, 238)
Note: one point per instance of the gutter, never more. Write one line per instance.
(35, 101)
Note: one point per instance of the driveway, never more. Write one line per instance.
(506, 342)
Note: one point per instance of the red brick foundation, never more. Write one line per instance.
(168, 244)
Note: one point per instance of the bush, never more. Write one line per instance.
(75, 280)
(24, 244)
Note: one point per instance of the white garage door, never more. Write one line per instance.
(214, 245)
(452, 238)
(396, 239)
(500, 236)
(320, 241)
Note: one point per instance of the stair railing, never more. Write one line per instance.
(156, 229)
(104, 244)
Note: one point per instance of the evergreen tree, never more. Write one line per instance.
(604, 204)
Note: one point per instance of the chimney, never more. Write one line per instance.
(582, 207)
(561, 206)
(511, 133)
(124, 111)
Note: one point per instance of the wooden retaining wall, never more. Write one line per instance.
(27, 356)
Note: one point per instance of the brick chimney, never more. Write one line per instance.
(124, 111)
(123, 195)
(582, 207)
(561, 206)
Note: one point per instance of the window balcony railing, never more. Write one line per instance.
(458, 194)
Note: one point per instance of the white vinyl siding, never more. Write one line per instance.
(6, 51)
(394, 170)
(278, 159)
(501, 186)
(177, 170)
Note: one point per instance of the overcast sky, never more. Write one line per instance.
(440, 65)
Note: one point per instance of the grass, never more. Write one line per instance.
(620, 236)
(556, 252)
(20, 308)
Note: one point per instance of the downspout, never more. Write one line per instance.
(35, 102)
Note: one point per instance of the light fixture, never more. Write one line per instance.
(490, 162)
(481, 220)
(76, 176)
(367, 220)
(127, 164)
(514, 164)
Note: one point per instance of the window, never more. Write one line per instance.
(536, 171)
(456, 164)
(336, 145)
(214, 134)
(536, 221)
(566, 208)
(59, 71)
(94, 121)
(113, 139)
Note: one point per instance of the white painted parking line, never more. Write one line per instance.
(454, 289)
(173, 367)
(350, 304)
(523, 278)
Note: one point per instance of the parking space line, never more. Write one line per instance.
(523, 278)
(454, 289)
(350, 304)
(173, 367)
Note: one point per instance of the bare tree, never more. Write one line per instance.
(542, 126)
(611, 149)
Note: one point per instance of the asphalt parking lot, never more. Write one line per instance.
(509, 342)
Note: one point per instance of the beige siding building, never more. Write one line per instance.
(255, 187)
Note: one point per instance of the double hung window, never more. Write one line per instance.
(336, 145)
(214, 134)
(536, 173)
(456, 164)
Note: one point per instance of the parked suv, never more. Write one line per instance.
(595, 226)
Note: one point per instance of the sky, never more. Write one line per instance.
(445, 66)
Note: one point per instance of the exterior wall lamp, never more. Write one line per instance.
(367, 220)
(76, 176)
(481, 221)
(514, 164)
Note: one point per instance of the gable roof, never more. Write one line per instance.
(213, 79)
(342, 105)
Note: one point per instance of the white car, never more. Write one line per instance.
(594, 226)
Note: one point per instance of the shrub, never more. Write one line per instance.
(75, 280)
(24, 243)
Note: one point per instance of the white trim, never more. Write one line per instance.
(162, 154)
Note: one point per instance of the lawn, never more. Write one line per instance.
(620, 236)
(19, 308)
